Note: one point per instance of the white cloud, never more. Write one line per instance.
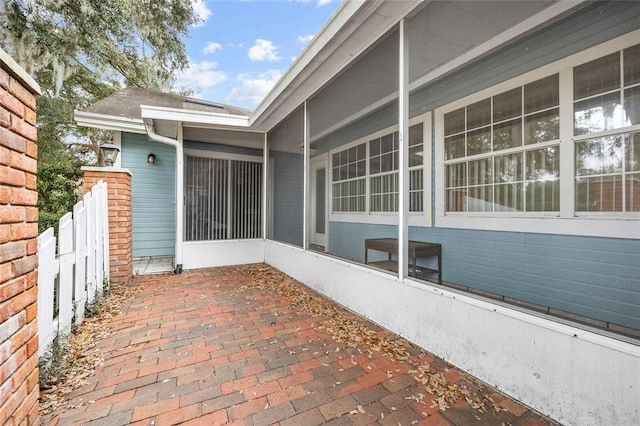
(263, 50)
(319, 3)
(211, 47)
(304, 39)
(201, 75)
(253, 89)
(201, 10)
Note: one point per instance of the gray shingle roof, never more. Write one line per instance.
(126, 103)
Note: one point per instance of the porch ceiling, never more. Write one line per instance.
(443, 36)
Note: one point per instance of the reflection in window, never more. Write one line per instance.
(607, 97)
(507, 172)
(604, 97)
(608, 174)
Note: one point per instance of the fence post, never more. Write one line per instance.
(105, 230)
(80, 234)
(47, 270)
(65, 281)
(91, 248)
(99, 237)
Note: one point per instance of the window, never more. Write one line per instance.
(560, 143)
(607, 98)
(383, 169)
(222, 198)
(353, 186)
(349, 179)
(502, 153)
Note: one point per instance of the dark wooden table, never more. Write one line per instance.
(416, 249)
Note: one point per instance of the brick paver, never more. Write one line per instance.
(199, 349)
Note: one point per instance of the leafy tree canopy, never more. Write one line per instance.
(80, 51)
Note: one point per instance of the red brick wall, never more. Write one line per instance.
(18, 245)
(120, 227)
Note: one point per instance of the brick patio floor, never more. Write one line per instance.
(193, 349)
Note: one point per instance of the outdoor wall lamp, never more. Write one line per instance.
(151, 158)
(109, 153)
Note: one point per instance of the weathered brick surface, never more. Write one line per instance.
(18, 245)
(203, 319)
(120, 220)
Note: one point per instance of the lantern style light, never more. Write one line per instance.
(109, 153)
(151, 158)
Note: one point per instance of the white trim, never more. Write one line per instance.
(109, 122)
(223, 155)
(422, 219)
(330, 29)
(306, 232)
(196, 117)
(567, 221)
(403, 150)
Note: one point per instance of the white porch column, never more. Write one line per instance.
(305, 219)
(265, 175)
(403, 173)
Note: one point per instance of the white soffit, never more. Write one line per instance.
(109, 122)
(353, 28)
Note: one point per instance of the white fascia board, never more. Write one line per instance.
(335, 24)
(347, 22)
(552, 12)
(109, 122)
(195, 117)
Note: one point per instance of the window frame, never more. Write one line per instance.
(228, 157)
(567, 221)
(423, 218)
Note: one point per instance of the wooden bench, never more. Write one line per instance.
(417, 249)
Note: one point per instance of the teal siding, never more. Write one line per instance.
(288, 193)
(152, 194)
(595, 277)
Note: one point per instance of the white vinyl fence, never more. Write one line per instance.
(70, 277)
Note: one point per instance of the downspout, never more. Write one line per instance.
(177, 143)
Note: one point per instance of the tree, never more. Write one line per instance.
(80, 51)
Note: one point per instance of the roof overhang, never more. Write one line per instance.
(195, 118)
(351, 30)
(354, 28)
(109, 122)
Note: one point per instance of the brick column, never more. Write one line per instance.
(18, 246)
(120, 227)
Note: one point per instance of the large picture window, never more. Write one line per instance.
(607, 98)
(365, 176)
(501, 152)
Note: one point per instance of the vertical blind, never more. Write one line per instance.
(223, 199)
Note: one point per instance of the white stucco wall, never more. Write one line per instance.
(209, 254)
(574, 376)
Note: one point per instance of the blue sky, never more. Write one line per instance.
(242, 47)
